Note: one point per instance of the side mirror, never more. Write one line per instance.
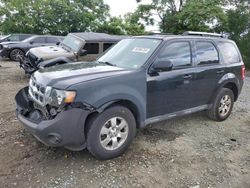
(163, 65)
(58, 43)
(83, 52)
(31, 42)
(8, 39)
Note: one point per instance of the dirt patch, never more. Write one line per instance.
(191, 151)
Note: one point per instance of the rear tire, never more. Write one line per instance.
(222, 105)
(16, 54)
(110, 133)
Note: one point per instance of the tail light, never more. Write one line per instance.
(243, 69)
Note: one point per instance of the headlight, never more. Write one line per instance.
(59, 97)
(5, 46)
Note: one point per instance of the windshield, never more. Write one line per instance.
(72, 42)
(130, 53)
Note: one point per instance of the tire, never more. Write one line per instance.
(16, 54)
(222, 105)
(105, 142)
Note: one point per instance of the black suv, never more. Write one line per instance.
(141, 80)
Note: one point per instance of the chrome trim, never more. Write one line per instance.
(38, 92)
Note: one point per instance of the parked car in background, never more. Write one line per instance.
(15, 37)
(16, 50)
(75, 47)
(140, 81)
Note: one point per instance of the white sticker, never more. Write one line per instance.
(141, 50)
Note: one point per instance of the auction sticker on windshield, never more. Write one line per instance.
(141, 50)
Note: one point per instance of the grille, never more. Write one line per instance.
(37, 92)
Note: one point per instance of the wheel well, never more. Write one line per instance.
(234, 88)
(126, 103)
(15, 49)
(132, 107)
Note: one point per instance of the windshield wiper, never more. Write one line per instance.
(106, 63)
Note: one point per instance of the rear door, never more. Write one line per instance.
(208, 70)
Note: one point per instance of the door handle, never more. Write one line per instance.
(187, 76)
(220, 71)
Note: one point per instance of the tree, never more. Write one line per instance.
(238, 27)
(182, 15)
(51, 16)
(129, 25)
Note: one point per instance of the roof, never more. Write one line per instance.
(98, 37)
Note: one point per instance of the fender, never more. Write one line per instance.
(134, 98)
(101, 93)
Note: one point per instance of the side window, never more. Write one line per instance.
(14, 38)
(52, 40)
(178, 52)
(107, 46)
(92, 48)
(39, 40)
(22, 37)
(229, 52)
(206, 53)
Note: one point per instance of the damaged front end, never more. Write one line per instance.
(54, 126)
(29, 63)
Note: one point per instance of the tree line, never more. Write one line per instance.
(60, 17)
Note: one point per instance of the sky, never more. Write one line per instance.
(121, 7)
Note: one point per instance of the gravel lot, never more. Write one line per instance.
(191, 151)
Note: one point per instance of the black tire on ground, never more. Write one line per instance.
(103, 123)
(16, 54)
(221, 109)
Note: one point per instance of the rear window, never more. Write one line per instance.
(206, 53)
(229, 52)
(92, 48)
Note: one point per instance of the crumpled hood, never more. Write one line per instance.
(50, 52)
(66, 75)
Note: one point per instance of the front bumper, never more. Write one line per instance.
(66, 129)
(27, 65)
(5, 53)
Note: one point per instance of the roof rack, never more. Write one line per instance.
(205, 34)
(151, 33)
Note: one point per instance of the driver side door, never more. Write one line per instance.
(172, 91)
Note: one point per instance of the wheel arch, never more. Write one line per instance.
(16, 48)
(230, 84)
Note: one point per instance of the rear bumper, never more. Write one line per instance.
(66, 129)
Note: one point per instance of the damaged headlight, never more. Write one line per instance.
(60, 97)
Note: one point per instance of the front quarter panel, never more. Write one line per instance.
(130, 86)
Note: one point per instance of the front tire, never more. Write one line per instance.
(110, 133)
(16, 54)
(222, 105)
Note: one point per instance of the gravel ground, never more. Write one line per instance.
(190, 151)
